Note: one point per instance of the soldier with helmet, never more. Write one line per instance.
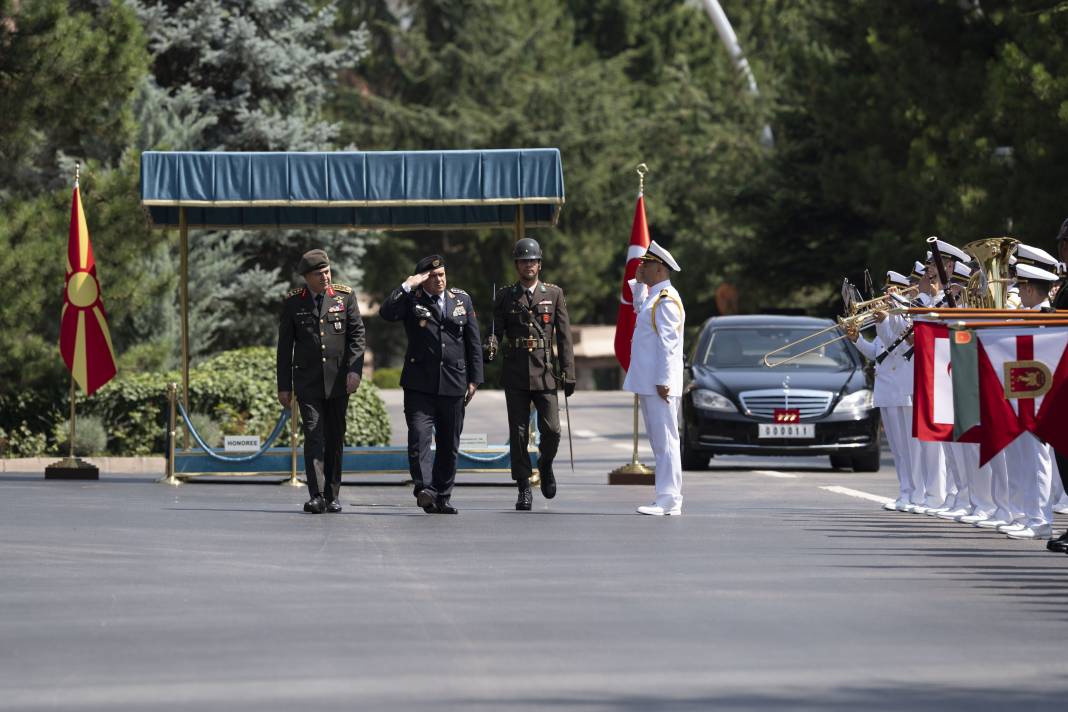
(531, 317)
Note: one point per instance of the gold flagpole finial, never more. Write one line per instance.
(77, 172)
(641, 170)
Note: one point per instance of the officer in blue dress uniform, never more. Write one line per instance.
(442, 370)
(320, 355)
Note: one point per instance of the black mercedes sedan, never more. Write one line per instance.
(818, 404)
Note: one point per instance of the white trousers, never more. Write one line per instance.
(999, 488)
(957, 465)
(928, 473)
(1030, 480)
(897, 422)
(662, 427)
(980, 500)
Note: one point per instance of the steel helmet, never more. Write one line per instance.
(526, 249)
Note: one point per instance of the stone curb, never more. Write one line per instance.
(142, 465)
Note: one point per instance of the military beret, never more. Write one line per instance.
(428, 263)
(312, 260)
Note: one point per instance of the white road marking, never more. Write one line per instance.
(773, 473)
(858, 494)
(586, 434)
(629, 447)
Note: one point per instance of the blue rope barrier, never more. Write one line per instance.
(244, 458)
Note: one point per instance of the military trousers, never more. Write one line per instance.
(441, 417)
(323, 420)
(547, 406)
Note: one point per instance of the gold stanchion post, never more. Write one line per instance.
(293, 481)
(171, 477)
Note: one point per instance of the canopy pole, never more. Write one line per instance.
(183, 239)
(520, 227)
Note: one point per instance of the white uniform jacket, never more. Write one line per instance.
(656, 347)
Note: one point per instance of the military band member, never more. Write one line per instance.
(655, 372)
(442, 370)
(320, 356)
(539, 359)
(893, 389)
(1060, 301)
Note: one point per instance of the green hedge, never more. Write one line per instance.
(387, 377)
(235, 388)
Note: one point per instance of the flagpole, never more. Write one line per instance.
(71, 467)
(183, 239)
(634, 472)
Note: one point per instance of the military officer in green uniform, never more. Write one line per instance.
(320, 356)
(531, 317)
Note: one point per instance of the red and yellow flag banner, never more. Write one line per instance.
(84, 339)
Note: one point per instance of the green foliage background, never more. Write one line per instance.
(892, 121)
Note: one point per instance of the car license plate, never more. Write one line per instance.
(794, 431)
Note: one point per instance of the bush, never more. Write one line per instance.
(387, 377)
(208, 430)
(90, 436)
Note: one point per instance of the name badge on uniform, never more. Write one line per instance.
(337, 326)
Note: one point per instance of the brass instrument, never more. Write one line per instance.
(988, 287)
(861, 316)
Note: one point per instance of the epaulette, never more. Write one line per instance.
(456, 290)
(343, 288)
(294, 292)
(664, 292)
(549, 284)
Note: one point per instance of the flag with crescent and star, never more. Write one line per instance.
(84, 339)
(639, 243)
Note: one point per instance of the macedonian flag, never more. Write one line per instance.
(84, 340)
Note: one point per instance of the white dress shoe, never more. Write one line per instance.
(935, 511)
(919, 509)
(656, 510)
(991, 523)
(890, 506)
(954, 514)
(1061, 510)
(974, 518)
(1011, 527)
(1044, 531)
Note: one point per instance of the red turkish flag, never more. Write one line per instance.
(932, 392)
(639, 243)
(84, 339)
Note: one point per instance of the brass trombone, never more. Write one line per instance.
(861, 316)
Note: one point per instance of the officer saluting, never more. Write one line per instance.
(538, 359)
(320, 353)
(442, 370)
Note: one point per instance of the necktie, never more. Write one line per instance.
(318, 303)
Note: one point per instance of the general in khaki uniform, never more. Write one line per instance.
(320, 356)
(655, 373)
(531, 317)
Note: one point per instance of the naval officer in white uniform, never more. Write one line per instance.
(655, 372)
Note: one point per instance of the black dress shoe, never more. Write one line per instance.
(315, 505)
(1058, 545)
(333, 506)
(526, 499)
(443, 507)
(548, 482)
(425, 499)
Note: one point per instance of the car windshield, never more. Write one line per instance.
(744, 347)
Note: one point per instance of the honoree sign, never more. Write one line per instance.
(473, 440)
(241, 443)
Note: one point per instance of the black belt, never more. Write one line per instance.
(526, 343)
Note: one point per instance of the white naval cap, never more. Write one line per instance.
(1034, 256)
(656, 253)
(897, 278)
(961, 273)
(949, 250)
(1027, 273)
(918, 269)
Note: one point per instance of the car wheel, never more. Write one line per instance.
(841, 462)
(693, 459)
(868, 462)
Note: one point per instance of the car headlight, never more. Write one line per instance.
(859, 400)
(710, 400)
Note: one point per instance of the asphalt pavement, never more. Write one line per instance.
(784, 586)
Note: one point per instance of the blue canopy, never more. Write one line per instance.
(379, 190)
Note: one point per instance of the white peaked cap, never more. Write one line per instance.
(1025, 254)
(962, 270)
(1027, 273)
(928, 257)
(949, 250)
(919, 268)
(897, 278)
(656, 253)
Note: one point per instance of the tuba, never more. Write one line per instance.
(988, 287)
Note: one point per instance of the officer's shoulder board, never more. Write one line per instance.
(343, 288)
(295, 292)
(456, 290)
